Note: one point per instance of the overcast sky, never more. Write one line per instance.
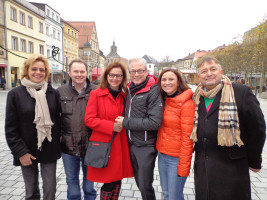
(161, 28)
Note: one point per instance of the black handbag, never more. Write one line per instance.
(98, 153)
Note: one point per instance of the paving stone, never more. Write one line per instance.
(6, 190)
(126, 193)
(17, 192)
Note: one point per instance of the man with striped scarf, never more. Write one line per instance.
(229, 134)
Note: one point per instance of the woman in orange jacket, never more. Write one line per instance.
(173, 143)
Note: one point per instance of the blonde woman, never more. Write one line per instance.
(32, 128)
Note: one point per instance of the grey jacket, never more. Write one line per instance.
(74, 134)
(143, 115)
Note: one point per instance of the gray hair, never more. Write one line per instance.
(142, 60)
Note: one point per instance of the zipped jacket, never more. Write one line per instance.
(143, 114)
(74, 134)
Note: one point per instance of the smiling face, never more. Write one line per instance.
(210, 74)
(78, 74)
(169, 83)
(138, 72)
(115, 78)
(37, 72)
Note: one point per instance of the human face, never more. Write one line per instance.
(140, 72)
(78, 73)
(210, 75)
(37, 72)
(115, 78)
(169, 83)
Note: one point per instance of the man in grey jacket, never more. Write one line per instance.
(143, 118)
(74, 134)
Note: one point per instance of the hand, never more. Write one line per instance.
(254, 170)
(26, 159)
(117, 127)
(119, 120)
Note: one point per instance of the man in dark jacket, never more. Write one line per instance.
(74, 134)
(3, 82)
(229, 134)
(143, 118)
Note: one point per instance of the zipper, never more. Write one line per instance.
(130, 106)
(145, 135)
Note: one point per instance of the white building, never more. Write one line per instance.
(53, 32)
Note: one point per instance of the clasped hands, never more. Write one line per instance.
(117, 127)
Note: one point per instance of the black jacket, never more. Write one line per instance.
(143, 115)
(74, 134)
(21, 133)
(222, 173)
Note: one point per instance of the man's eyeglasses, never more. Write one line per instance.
(118, 76)
(139, 71)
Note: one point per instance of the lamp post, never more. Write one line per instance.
(88, 63)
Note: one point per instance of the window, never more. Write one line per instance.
(48, 12)
(58, 36)
(13, 14)
(23, 45)
(40, 27)
(75, 35)
(64, 43)
(68, 44)
(47, 30)
(53, 15)
(72, 33)
(22, 18)
(54, 34)
(48, 52)
(30, 47)
(68, 31)
(41, 49)
(30, 23)
(57, 18)
(58, 56)
(14, 43)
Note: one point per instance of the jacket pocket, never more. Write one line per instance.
(66, 104)
(237, 153)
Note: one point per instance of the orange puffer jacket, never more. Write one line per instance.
(174, 134)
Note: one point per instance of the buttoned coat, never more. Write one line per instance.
(21, 132)
(100, 115)
(222, 173)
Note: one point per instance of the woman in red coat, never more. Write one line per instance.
(104, 105)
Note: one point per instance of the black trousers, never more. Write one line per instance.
(143, 163)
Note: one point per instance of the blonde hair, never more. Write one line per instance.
(30, 61)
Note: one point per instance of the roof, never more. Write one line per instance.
(65, 22)
(85, 30)
(150, 59)
(198, 54)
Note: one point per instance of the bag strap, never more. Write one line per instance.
(114, 135)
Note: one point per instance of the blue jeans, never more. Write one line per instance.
(172, 186)
(72, 166)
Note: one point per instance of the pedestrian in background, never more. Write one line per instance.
(74, 134)
(173, 143)
(32, 128)
(229, 135)
(143, 118)
(3, 82)
(104, 105)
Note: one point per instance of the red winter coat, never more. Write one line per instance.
(174, 133)
(100, 115)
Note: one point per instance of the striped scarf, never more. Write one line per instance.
(228, 122)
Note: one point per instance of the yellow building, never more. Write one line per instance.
(3, 60)
(24, 35)
(70, 44)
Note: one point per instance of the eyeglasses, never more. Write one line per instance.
(139, 71)
(35, 69)
(118, 76)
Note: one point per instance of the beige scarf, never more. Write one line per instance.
(228, 121)
(42, 116)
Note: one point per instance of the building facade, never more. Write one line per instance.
(3, 58)
(70, 45)
(53, 37)
(24, 36)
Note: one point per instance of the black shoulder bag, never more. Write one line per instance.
(98, 153)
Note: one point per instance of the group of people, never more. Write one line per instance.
(221, 122)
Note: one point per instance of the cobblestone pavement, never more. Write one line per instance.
(12, 185)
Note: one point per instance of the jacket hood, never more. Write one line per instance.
(152, 81)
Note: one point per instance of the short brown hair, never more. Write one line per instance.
(77, 60)
(30, 61)
(207, 59)
(104, 78)
(182, 86)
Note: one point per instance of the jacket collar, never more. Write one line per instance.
(152, 81)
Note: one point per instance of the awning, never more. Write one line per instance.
(95, 71)
(3, 65)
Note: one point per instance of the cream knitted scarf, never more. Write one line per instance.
(228, 121)
(42, 116)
